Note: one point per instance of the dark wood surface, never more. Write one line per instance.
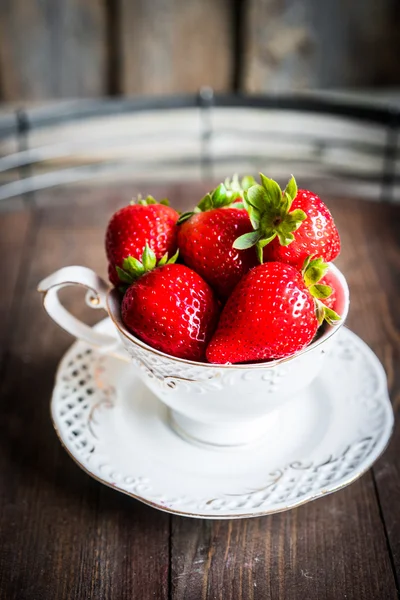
(53, 49)
(302, 45)
(175, 45)
(64, 535)
(84, 48)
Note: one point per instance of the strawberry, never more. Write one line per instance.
(273, 313)
(205, 243)
(205, 240)
(168, 306)
(113, 275)
(136, 225)
(288, 225)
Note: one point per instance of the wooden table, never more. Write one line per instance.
(66, 536)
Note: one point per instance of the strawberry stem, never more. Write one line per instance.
(148, 201)
(132, 268)
(225, 194)
(270, 215)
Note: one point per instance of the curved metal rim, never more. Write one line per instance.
(25, 121)
(84, 109)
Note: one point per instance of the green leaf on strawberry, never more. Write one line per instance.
(269, 211)
(272, 191)
(247, 240)
(149, 200)
(124, 275)
(218, 198)
(313, 271)
(184, 217)
(330, 316)
(225, 194)
(255, 197)
(148, 259)
(291, 188)
(132, 268)
(172, 260)
(163, 260)
(247, 182)
(320, 291)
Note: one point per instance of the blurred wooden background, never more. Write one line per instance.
(88, 48)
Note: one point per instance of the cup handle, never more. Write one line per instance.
(95, 298)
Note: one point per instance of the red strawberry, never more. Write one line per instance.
(113, 275)
(205, 244)
(171, 308)
(136, 225)
(205, 241)
(272, 313)
(289, 225)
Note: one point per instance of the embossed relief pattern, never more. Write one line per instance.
(199, 379)
(82, 393)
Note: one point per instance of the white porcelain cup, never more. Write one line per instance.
(223, 405)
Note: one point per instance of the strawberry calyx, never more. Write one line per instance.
(270, 215)
(313, 271)
(230, 192)
(236, 188)
(148, 201)
(132, 268)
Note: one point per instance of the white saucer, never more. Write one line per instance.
(323, 440)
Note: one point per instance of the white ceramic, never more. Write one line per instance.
(321, 440)
(223, 405)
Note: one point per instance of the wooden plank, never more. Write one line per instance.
(14, 248)
(372, 266)
(52, 49)
(333, 548)
(382, 251)
(295, 45)
(63, 535)
(171, 46)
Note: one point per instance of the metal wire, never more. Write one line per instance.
(341, 142)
